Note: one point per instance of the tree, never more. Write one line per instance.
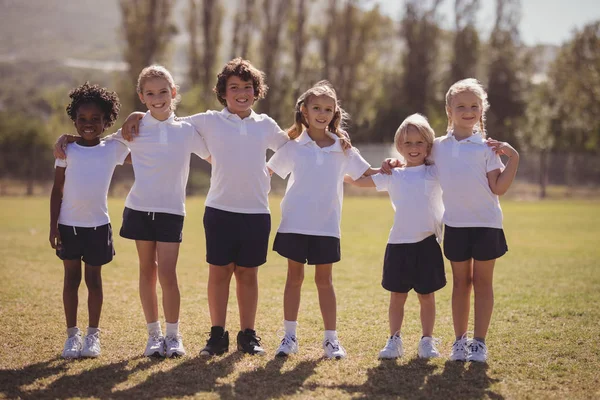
(466, 41)
(506, 82)
(244, 27)
(147, 28)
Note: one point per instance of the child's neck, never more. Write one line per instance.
(88, 143)
(462, 133)
(320, 137)
(410, 165)
(241, 114)
(161, 116)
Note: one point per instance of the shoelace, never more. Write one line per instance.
(333, 345)
(475, 346)
(72, 342)
(171, 340)
(91, 340)
(212, 340)
(254, 340)
(429, 344)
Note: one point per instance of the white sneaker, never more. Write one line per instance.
(73, 346)
(155, 346)
(333, 349)
(428, 347)
(393, 348)
(459, 349)
(174, 346)
(91, 345)
(476, 351)
(289, 345)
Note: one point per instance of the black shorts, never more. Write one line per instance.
(482, 244)
(152, 226)
(92, 245)
(418, 266)
(242, 239)
(308, 249)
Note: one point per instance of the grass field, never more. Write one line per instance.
(544, 339)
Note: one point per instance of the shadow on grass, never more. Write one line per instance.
(270, 382)
(415, 380)
(194, 375)
(95, 382)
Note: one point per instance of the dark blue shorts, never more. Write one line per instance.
(152, 226)
(92, 245)
(482, 244)
(308, 249)
(242, 239)
(418, 266)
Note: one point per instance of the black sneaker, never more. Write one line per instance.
(217, 343)
(248, 342)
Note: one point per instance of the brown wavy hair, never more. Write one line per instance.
(246, 72)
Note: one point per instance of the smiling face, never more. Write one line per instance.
(90, 123)
(239, 95)
(465, 112)
(413, 147)
(319, 111)
(158, 95)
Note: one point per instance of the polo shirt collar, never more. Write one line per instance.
(149, 120)
(229, 115)
(474, 138)
(304, 138)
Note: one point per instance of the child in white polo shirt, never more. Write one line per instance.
(472, 177)
(312, 206)
(237, 220)
(79, 223)
(413, 258)
(155, 206)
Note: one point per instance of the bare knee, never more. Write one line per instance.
(462, 282)
(93, 278)
(294, 278)
(426, 299)
(324, 281)
(72, 279)
(246, 276)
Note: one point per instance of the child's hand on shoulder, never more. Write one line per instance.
(502, 148)
(60, 147)
(131, 126)
(389, 164)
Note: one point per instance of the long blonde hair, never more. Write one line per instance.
(158, 71)
(420, 123)
(321, 88)
(471, 85)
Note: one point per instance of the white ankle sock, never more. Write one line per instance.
(154, 329)
(173, 329)
(290, 327)
(72, 331)
(331, 335)
(91, 331)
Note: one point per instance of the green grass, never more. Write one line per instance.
(543, 340)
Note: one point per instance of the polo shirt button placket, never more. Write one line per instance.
(163, 134)
(455, 148)
(319, 157)
(243, 131)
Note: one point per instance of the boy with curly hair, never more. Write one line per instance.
(79, 223)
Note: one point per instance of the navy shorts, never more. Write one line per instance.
(152, 226)
(418, 266)
(482, 244)
(92, 245)
(308, 249)
(242, 239)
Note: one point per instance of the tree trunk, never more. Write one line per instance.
(543, 173)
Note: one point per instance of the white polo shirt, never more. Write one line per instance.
(462, 170)
(239, 180)
(89, 170)
(312, 204)
(160, 155)
(416, 198)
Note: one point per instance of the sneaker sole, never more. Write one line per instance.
(205, 353)
(156, 354)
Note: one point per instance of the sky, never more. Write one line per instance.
(542, 21)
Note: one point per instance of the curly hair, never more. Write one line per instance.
(85, 94)
(245, 71)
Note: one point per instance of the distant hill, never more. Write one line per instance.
(58, 29)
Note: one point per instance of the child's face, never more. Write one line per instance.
(319, 111)
(465, 111)
(413, 147)
(89, 122)
(239, 95)
(158, 95)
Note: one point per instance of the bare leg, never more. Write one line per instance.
(396, 311)
(427, 313)
(93, 281)
(70, 288)
(462, 281)
(292, 293)
(148, 276)
(327, 302)
(483, 273)
(246, 280)
(219, 278)
(167, 254)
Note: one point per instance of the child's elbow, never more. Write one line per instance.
(498, 191)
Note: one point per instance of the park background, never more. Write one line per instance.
(540, 62)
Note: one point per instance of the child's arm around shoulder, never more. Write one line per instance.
(498, 179)
(55, 202)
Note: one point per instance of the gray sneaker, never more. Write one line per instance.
(91, 345)
(73, 346)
